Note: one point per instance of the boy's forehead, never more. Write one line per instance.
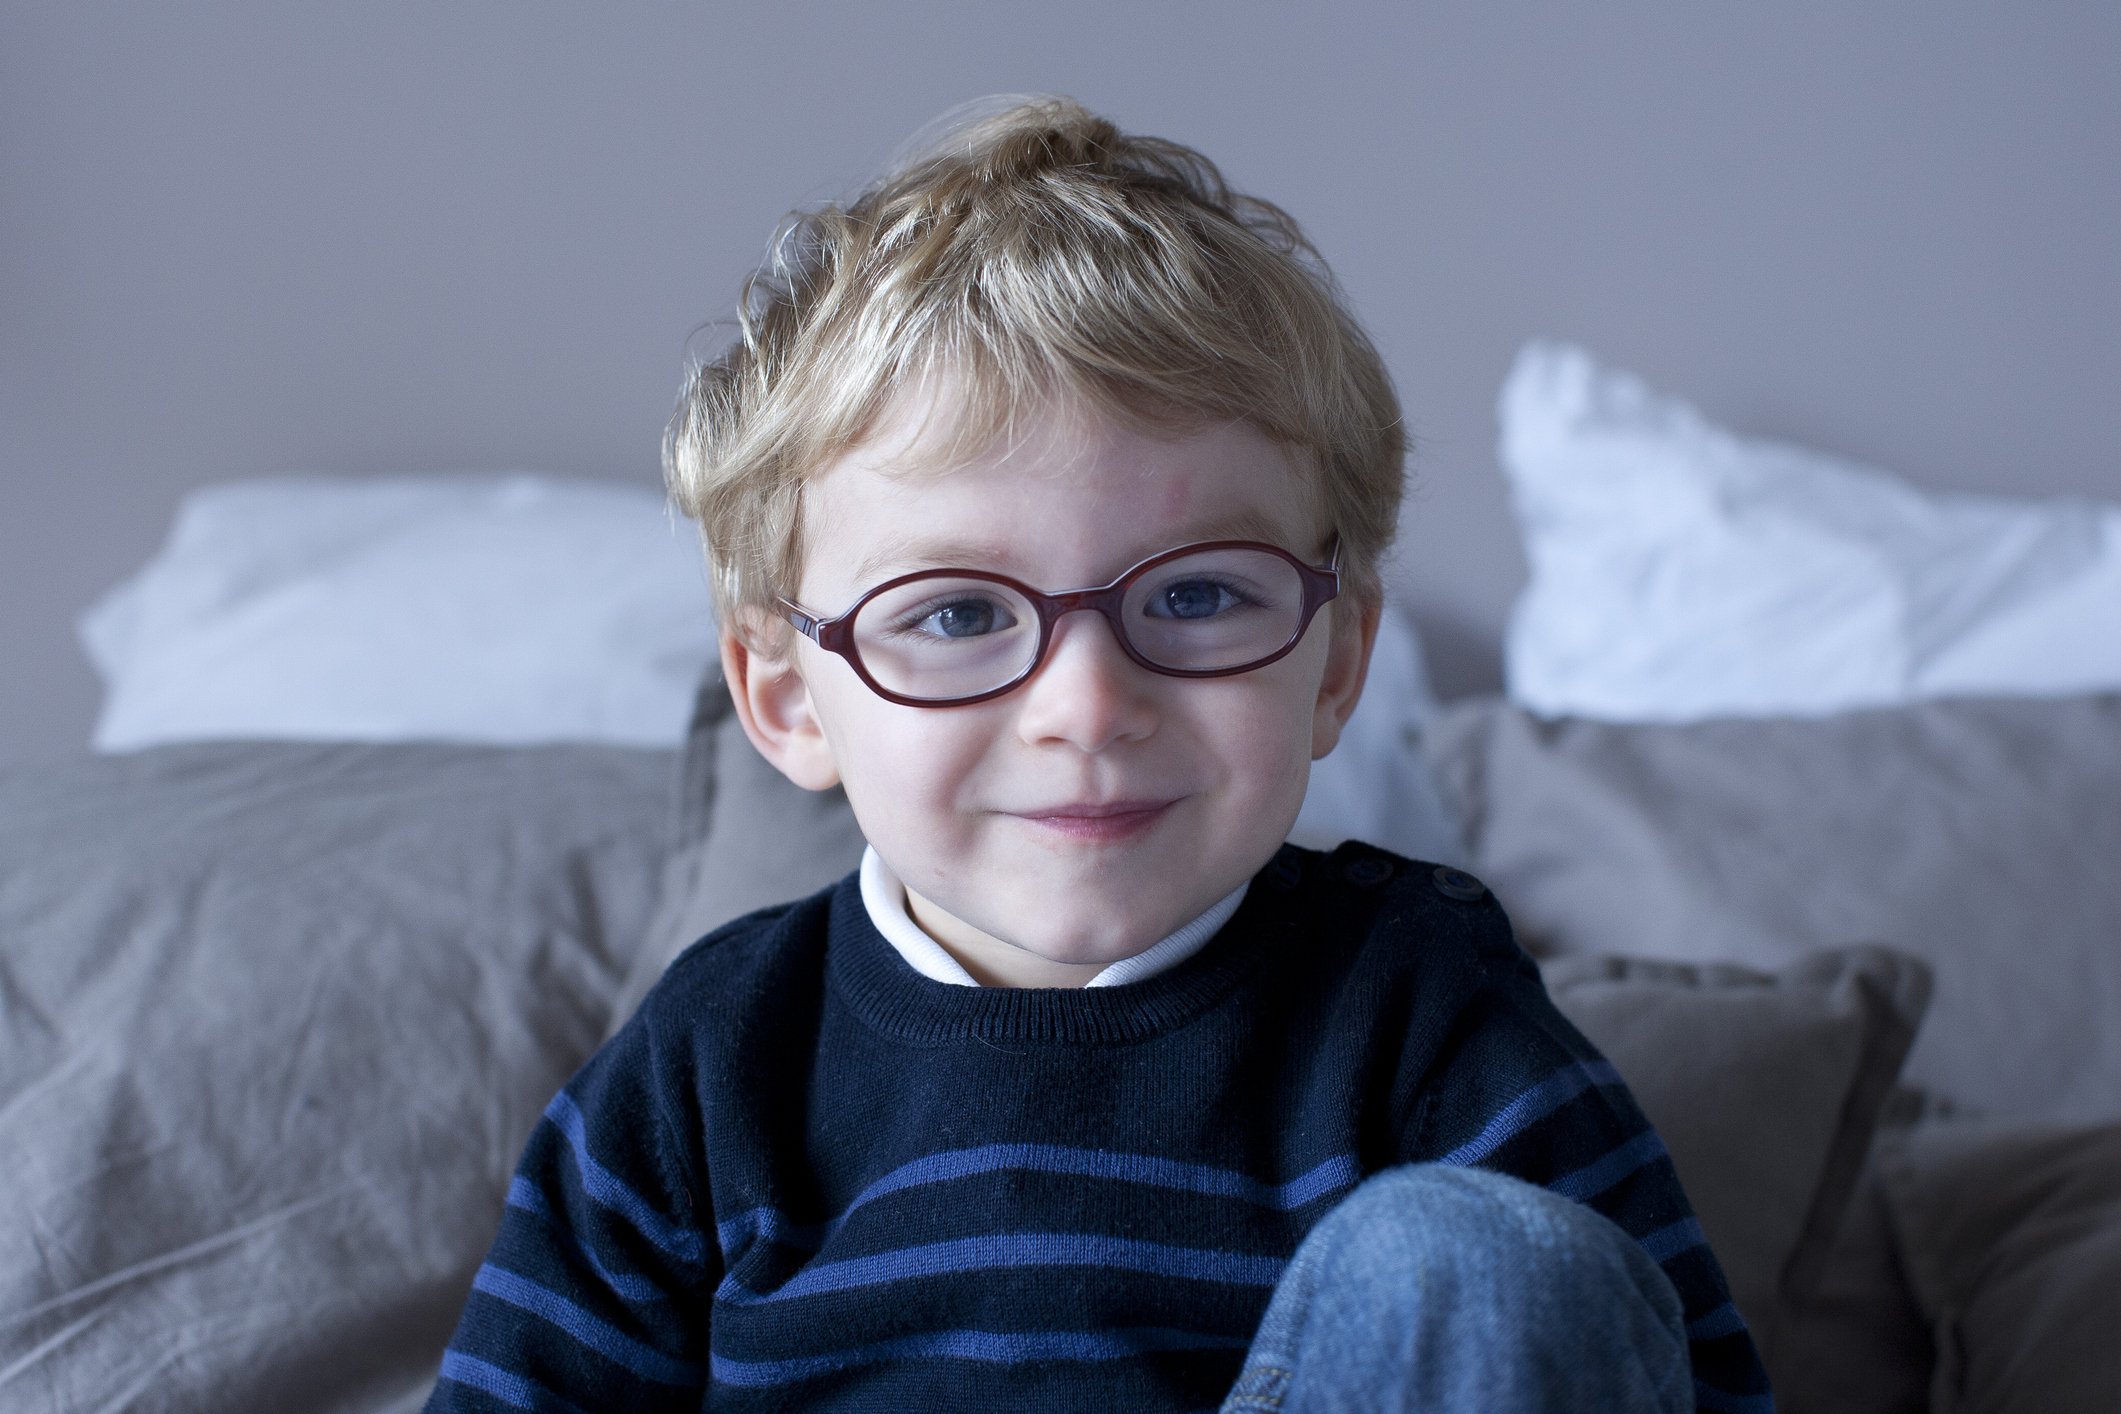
(1062, 487)
(943, 422)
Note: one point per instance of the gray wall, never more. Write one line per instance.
(240, 239)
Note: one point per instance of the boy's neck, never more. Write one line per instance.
(942, 948)
(988, 960)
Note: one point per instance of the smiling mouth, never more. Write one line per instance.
(1099, 824)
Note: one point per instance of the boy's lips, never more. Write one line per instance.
(1097, 821)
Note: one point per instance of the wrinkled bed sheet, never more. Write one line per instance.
(274, 1023)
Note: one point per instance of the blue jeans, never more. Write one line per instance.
(1432, 1288)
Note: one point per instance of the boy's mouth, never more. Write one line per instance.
(1098, 822)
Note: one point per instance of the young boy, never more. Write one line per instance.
(1045, 492)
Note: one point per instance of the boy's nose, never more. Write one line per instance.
(1087, 693)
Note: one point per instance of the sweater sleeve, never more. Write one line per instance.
(595, 1292)
(1519, 1090)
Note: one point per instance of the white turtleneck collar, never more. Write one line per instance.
(885, 898)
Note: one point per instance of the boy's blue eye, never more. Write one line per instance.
(1192, 599)
(965, 618)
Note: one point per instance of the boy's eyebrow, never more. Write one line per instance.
(930, 554)
(985, 554)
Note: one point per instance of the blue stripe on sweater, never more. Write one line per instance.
(992, 1347)
(523, 1194)
(1593, 1179)
(505, 1385)
(607, 1189)
(1330, 1178)
(1531, 1107)
(996, 1251)
(1668, 1242)
(599, 1335)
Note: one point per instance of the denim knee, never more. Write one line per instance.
(1500, 1228)
(1435, 1287)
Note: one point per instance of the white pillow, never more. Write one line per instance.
(1680, 572)
(1375, 785)
(484, 608)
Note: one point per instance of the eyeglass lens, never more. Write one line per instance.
(941, 638)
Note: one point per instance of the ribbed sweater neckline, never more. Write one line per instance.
(871, 978)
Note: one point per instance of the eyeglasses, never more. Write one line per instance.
(948, 637)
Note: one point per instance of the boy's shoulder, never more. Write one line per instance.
(1361, 931)
(1361, 867)
(760, 956)
(1361, 896)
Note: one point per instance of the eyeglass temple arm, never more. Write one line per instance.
(805, 624)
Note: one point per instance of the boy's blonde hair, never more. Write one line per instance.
(1037, 258)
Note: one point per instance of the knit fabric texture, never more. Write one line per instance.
(803, 1176)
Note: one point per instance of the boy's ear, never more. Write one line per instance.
(773, 704)
(1347, 665)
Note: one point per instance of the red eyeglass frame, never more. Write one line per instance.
(836, 634)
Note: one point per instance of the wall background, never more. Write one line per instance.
(244, 238)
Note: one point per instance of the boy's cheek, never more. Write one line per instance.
(906, 802)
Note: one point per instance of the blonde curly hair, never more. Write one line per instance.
(1033, 257)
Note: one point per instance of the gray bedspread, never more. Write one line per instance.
(274, 1024)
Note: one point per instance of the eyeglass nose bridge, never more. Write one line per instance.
(1108, 602)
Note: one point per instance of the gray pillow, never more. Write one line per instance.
(1858, 1343)
(275, 1022)
(1766, 1087)
(1978, 835)
(2012, 1240)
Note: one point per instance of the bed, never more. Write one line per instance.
(289, 968)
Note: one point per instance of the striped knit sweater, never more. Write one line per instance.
(805, 1177)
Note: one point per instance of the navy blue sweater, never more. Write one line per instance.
(803, 1176)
